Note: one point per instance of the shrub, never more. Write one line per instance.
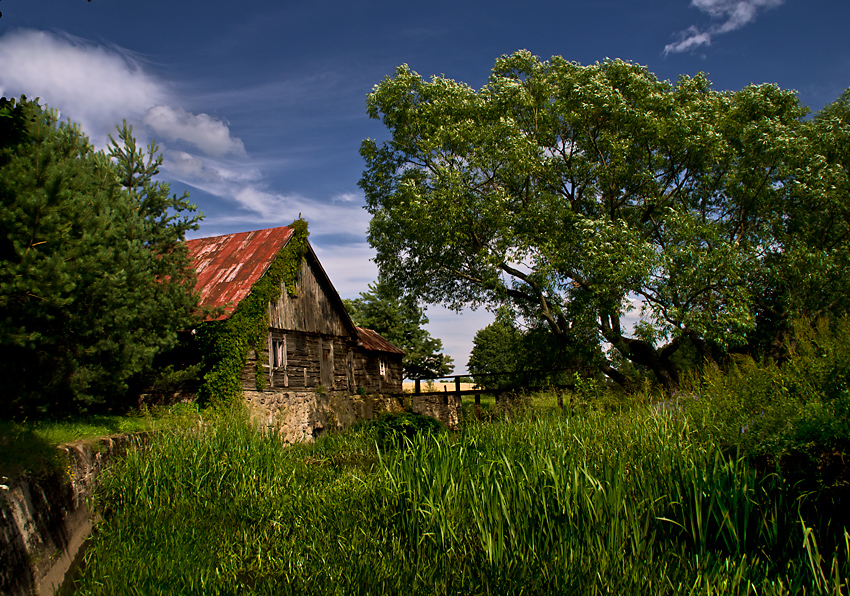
(394, 428)
(765, 407)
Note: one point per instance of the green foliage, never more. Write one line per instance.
(396, 429)
(764, 407)
(401, 321)
(805, 269)
(215, 510)
(226, 343)
(94, 282)
(590, 500)
(504, 356)
(496, 350)
(565, 191)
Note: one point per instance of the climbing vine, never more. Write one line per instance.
(226, 344)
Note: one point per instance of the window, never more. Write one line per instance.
(383, 368)
(277, 360)
(279, 353)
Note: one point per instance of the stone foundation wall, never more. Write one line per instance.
(305, 415)
(445, 407)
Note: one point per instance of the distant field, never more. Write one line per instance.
(410, 385)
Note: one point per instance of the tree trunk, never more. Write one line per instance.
(643, 353)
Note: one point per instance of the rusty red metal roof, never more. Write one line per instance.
(228, 266)
(371, 340)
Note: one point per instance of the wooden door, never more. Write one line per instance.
(327, 363)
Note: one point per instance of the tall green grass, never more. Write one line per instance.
(635, 503)
(602, 505)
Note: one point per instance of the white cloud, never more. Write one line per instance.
(341, 215)
(185, 166)
(690, 39)
(348, 198)
(270, 206)
(349, 266)
(733, 13)
(457, 331)
(98, 87)
(95, 86)
(202, 130)
(244, 185)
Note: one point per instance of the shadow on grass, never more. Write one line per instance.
(31, 446)
(23, 450)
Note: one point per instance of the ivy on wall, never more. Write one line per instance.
(225, 344)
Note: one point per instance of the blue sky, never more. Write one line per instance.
(259, 107)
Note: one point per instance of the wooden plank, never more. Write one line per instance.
(312, 309)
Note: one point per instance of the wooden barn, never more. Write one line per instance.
(311, 343)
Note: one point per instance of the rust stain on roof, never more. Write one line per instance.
(228, 266)
(372, 341)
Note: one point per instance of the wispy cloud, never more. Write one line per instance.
(349, 266)
(100, 86)
(729, 15)
(201, 130)
(244, 184)
(96, 86)
(261, 205)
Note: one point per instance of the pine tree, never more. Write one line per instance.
(93, 280)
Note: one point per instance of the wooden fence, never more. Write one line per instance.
(499, 393)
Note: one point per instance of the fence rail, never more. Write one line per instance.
(500, 392)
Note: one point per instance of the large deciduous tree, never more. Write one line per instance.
(94, 279)
(401, 320)
(568, 191)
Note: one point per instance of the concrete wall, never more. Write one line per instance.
(44, 520)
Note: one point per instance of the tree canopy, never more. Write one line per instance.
(506, 356)
(401, 321)
(95, 280)
(567, 192)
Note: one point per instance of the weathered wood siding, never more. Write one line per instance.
(311, 343)
(311, 310)
(305, 364)
(307, 361)
(367, 372)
